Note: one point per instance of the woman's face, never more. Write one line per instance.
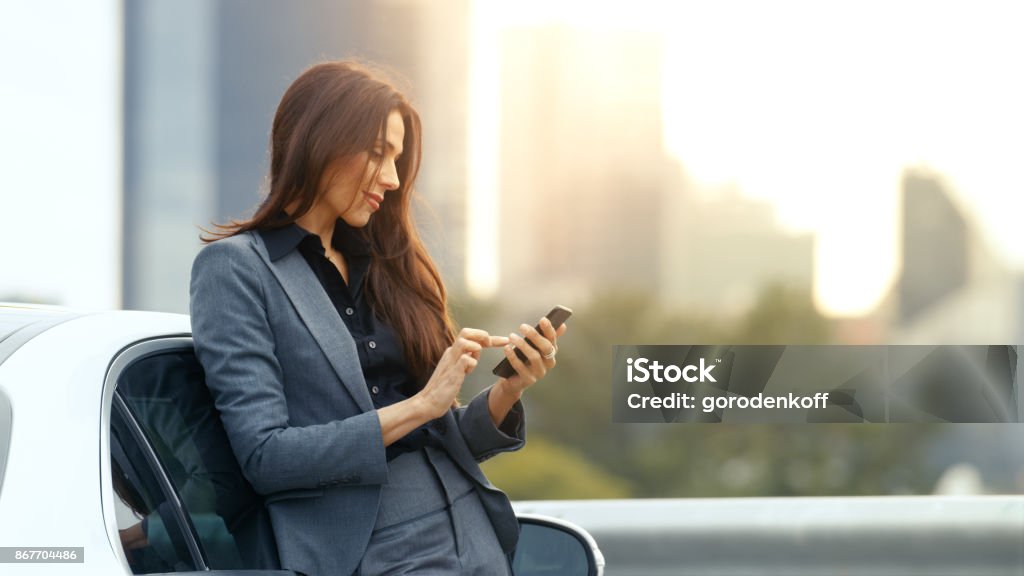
(355, 193)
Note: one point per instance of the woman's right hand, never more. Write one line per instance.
(458, 360)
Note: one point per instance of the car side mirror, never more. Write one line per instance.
(553, 547)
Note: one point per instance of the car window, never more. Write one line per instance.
(167, 396)
(151, 534)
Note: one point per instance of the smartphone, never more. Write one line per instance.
(557, 316)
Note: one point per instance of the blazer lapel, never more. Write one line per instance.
(317, 313)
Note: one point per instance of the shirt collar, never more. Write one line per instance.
(346, 238)
(350, 240)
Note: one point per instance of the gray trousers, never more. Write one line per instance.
(431, 521)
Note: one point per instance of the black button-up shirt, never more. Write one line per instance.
(380, 350)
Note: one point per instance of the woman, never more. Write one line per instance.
(323, 328)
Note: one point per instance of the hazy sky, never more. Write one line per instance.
(819, 106)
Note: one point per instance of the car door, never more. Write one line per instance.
(182, 502)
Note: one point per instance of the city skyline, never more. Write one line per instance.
(756, 98)
(948, 99)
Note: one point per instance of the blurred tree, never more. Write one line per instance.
(550, 471)
(573, 405)
(782, 315)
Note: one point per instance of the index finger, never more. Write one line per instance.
(482, 338)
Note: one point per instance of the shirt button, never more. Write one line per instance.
(349, 311)
(372, 344)
(375, 390)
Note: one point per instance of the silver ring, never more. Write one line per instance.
(551, 354)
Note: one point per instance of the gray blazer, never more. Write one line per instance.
(285, 375)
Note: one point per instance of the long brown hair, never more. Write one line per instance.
(337, 110)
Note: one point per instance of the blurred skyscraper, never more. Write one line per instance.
(583, 172)
(934, 246)
(726, 249)
(952, 288)
(202, 81)
(590, 199)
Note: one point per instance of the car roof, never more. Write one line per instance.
(19, 323)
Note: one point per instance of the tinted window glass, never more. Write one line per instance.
(150, 531)
(548, 551)
(168, 397)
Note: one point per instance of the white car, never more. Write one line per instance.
(113, 459)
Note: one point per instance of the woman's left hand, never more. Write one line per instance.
(540, 359)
